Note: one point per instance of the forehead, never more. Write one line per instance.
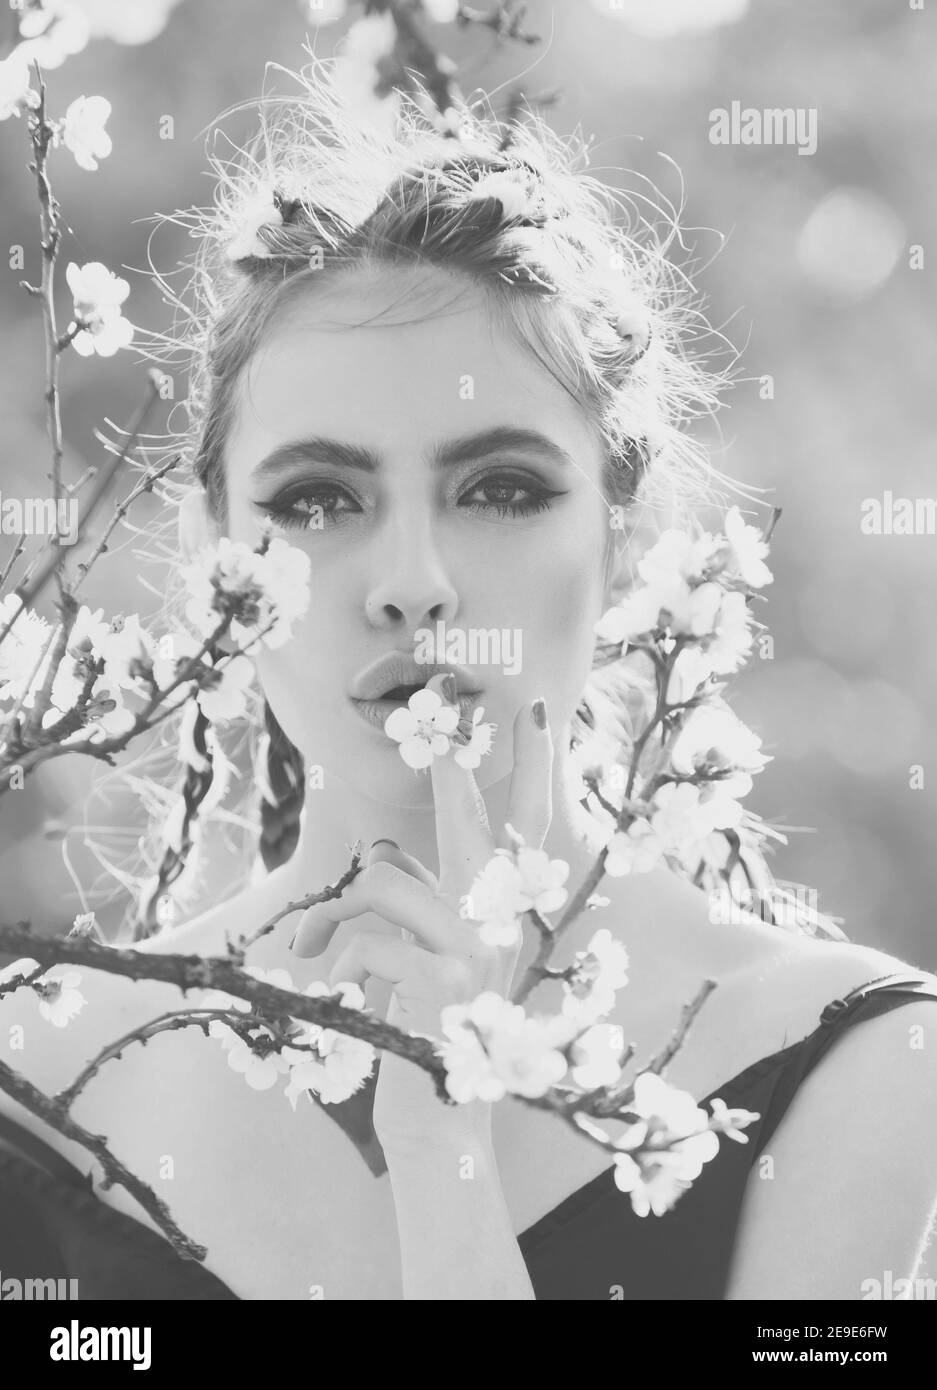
(397, 364)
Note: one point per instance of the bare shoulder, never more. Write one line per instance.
(49, 1057)
(771, 984)
(858, 1136)
(242, 914)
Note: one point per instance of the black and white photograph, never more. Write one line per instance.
(468, 765)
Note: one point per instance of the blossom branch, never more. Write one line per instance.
(46, 1109)
(327, 894)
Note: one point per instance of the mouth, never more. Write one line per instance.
(377, 710)
(389, 683)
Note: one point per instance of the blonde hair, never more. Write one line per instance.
(573, 267)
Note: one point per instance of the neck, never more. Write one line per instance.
(336, 817)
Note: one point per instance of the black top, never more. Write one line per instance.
(592, 1246)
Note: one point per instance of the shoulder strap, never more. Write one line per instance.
(875, 997)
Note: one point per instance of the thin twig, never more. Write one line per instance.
(327, 894)
(15, 1085)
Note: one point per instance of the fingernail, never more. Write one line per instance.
(449, 688)
(538, 713)
(385, 841)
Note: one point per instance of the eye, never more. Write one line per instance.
(313, 506)
(508, 494)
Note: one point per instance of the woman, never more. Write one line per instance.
(439, 368)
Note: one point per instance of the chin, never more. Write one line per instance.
(369, 763)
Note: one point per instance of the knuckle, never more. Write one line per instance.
(383, 874)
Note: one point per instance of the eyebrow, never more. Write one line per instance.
(463, 449)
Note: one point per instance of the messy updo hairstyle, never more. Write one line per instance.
(578, 271)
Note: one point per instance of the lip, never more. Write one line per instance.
(369, 687)
(400, 668)
(376, 712)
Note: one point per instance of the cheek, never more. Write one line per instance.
(565, 586)
(302, 680)
(563, 599)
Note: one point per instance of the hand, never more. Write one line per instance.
(440, 958)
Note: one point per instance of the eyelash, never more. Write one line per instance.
(281, 509)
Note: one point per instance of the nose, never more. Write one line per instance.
(412, 587)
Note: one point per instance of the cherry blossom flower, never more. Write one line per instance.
(728, 647)
(16, 94)
(106, 715)
(511, 883)
(493, 1048)
(260, 1072)
(677, 1142)
(596, 1056)
(59, 997)
(714, 740)
(492, 902)
(691, 668)
(634, 324)
(636, 850)
(83, 130)
(227, 700)
(728, 1121)
(470, 754)
(669, 601)
(85, 644)
(350, 995)
(441, 11)
(529, 1060)
(656, 1181)
(341, 1064)
(126, 23)
(366, 47)
(128, 651)
(665, 1107)
(510, 191)
(53, 33)
(268, 591)
(748, 551)
(86, 925)
(678, 556)
(344, 1066)
(636, 615)
(258, 211)
(322, 12)
(685, 815)
(278, 977)
(423, 729)
(541, 880)
(691, 612)
(599, 972)
(20, 650)
(98, 296)
(469, 1073)
(105, 712)
(172, 648)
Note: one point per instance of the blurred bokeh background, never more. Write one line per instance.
(815, 267)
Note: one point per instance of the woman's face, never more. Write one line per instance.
(450, 480)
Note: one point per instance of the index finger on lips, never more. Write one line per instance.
(463, 835)
(530, 797)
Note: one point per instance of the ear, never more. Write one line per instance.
(196, 526)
